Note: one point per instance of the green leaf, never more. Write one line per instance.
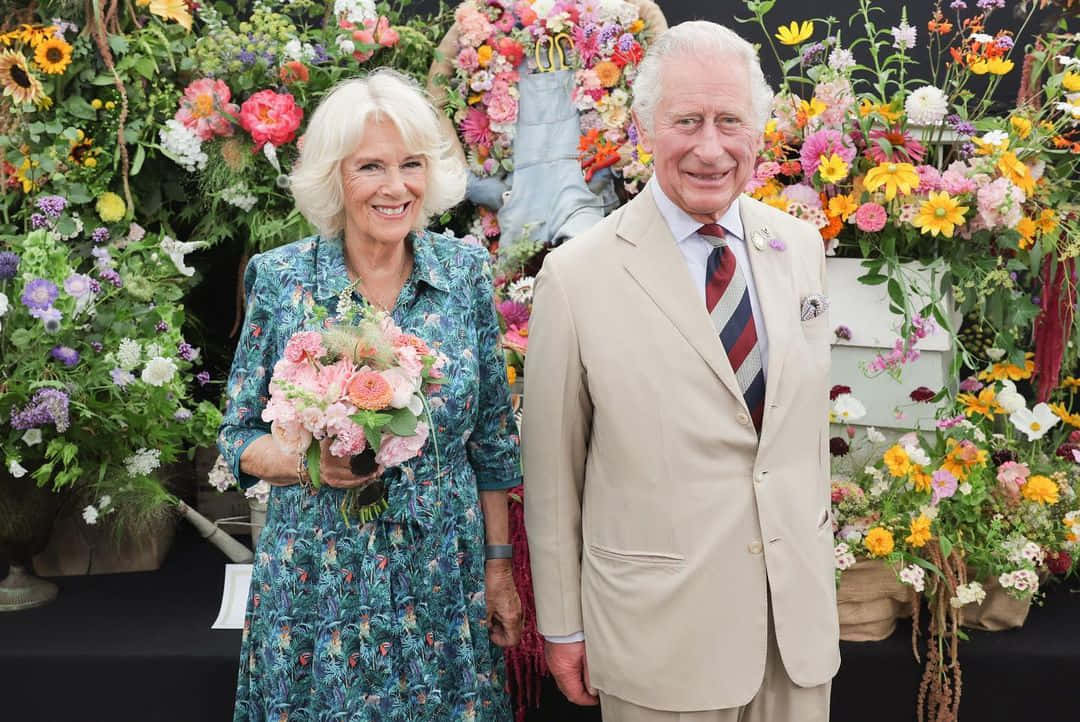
(21, 337)
(946, 545)
(65, 226)
(136, 164)
(80, 108)
(313, 453)
(146, 67)
(896, 293)
(374, 438)
(873, 279)
(78, 193)
(403, 423)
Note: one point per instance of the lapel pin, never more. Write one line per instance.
(759, 238)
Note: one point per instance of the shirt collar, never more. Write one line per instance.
(332, 277)
(682, 226)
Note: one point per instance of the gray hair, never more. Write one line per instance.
(337, 127)
(694, 39)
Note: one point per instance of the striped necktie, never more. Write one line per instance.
(728, 302)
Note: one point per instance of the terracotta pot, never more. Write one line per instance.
(869, 600)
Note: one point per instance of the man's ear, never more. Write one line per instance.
(644, 138)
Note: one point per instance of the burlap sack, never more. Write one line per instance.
(869, 600)
(77, 548)
(998, 611)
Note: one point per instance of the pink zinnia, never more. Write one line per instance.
(905, 149)
(825, 143)
(970, 385)
(517, 338)
(206, 110)
(870, 217)
(514, 313)
(476, 129)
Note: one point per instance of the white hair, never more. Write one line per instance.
(690, 41)
(337, 127)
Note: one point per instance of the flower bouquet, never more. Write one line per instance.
(362, 383)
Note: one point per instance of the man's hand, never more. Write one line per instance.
(503, 605)
(570, 667)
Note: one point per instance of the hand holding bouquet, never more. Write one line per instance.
(360, 384)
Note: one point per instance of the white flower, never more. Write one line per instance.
(844, 558)
(917, 455)
(982, 38)
(176, 251)
(927, 105)
(930, 511)
(16, 469)
(142, 462)
(182, 145)
(159, 371)
(1022, 580)
(874, 473)
(356, 11)
(965, 488)
(3, 304)
(879, 487)
(136, 233)
(903, 36)
(237, 195)
(874, 436)
(521, 290)
(346, 45)
(979, 435)
(220, 476)
(847, 408)
(914, 576)
(129, 354)
(121, 377)
(1067, 61)
(1070, 108)
(1009, 398)
(995, 137)
(90, 515)
(1035, 422)
(840, 59)
(852, 536)
(297, 51)
(542, 7)
(260, 492)
(32, 437)
(967, 594)
(105, 501)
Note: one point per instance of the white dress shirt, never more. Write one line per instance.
(695, 249)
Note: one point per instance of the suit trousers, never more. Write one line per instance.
(778, 700)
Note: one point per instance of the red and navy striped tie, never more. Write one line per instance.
(728, 302)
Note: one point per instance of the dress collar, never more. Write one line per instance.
(682, 226)
(332, 277)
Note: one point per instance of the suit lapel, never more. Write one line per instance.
(776, 295)
(653, 259)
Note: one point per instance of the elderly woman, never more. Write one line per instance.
(399, 618)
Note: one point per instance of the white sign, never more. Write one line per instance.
(234, 598)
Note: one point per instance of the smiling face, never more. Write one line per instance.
(704, 138)
(384, 182)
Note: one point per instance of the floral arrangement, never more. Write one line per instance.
(894, 168)
(238, 124)
(602, 42)
(361, 383)
(97, 374)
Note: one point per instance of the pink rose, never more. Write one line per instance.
(409, 360)
(502, 108)
(467, 59)
(403, 384)
(291, 437)
(395, 450)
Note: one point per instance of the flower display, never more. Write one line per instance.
(271, 117)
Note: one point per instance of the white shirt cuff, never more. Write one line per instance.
(569, 638)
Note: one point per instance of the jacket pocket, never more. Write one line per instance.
(661, 558)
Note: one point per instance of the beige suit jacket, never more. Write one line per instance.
(656, 519)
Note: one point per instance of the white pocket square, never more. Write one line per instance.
(813, 306)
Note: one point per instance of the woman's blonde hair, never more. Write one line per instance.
(337, 128)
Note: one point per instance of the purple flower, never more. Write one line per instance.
(812, 53)
(609, 33)
(102, 259)
(65, 355)
(961, 126)
(38, 221)
(321, 55)
(161, 327)
(958, 5)
(990, 4)
(78, 285)
(100, 235)
(970, 385)
(186, 351)
(182, 415)
(203, 377)
(776, 244)
(943, 484)
(52, 206)
(40, 294)
(950, 422)
(626, 41)
(967, 150)
(246, 57)
(1004, 42)
(95, 287)
(111, 276)
(47, 406)
(121, 377)
(842, 332)
(516, 314)
(97, 346)
(9, 265)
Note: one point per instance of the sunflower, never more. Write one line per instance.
(53, 56)
(16, 79)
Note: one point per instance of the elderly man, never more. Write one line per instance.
(675, 432)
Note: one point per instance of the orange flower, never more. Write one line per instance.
(293, 72)
(832, 230)
(607, 72)
(920, 479)
(1005, 370)
(369, 390)
(962, 458)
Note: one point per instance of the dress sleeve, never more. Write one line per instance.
(493, 446)
(249, 379)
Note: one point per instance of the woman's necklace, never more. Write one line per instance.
(380, 301)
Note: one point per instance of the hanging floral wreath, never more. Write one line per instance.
(602, 41)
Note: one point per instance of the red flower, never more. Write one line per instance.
(271, 117)
(632, 56)
(837, 390)
(1058, 562)
(304, 659)
(511, 50)
(922, 395)
(293, 72)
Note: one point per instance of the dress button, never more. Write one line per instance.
(742, 418)
(754, 547)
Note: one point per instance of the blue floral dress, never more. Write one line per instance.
(385, 621)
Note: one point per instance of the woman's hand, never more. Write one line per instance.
(503, 605)
(334, 470)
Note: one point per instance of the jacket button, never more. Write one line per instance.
(742, 418)
(754, 547)
(760, 477)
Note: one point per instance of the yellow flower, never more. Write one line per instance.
(896, 177)
(1041, 489)
(637, 26)
(17, 80)
(95, 104)
(985, 403)
(994, 66)
(1070, 382)
(1071, 82)
(53, 56)
(643, 155)
(778, 202)
(1026, 228)
(879, 542)
(1012, 168)
(884, 110)
(920, 532)
(90, 162)
(940, 214)
(833, 169)
(110, 207)
(814, 107)
(963, 457)
(1022, 126)
(842, 206)
(897, 460)
(1047, 220)
(1063, 413)
(109, 105)
(484, 54)
(172, 10)
(920, 479)
(1005, 370)
(511, 374)
(794, 34)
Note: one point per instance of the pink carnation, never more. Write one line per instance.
(825, 143)
(468, 60)
(395, 450)
(305, 345)
(1011, 476)
(334, 379)
(870, 217)
(999, 204)
(929, 178)
(349, 441)
(502, 107)
(473, 26)
(206, 110)
(271, 117)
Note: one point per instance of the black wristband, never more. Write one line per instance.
(498, 551)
